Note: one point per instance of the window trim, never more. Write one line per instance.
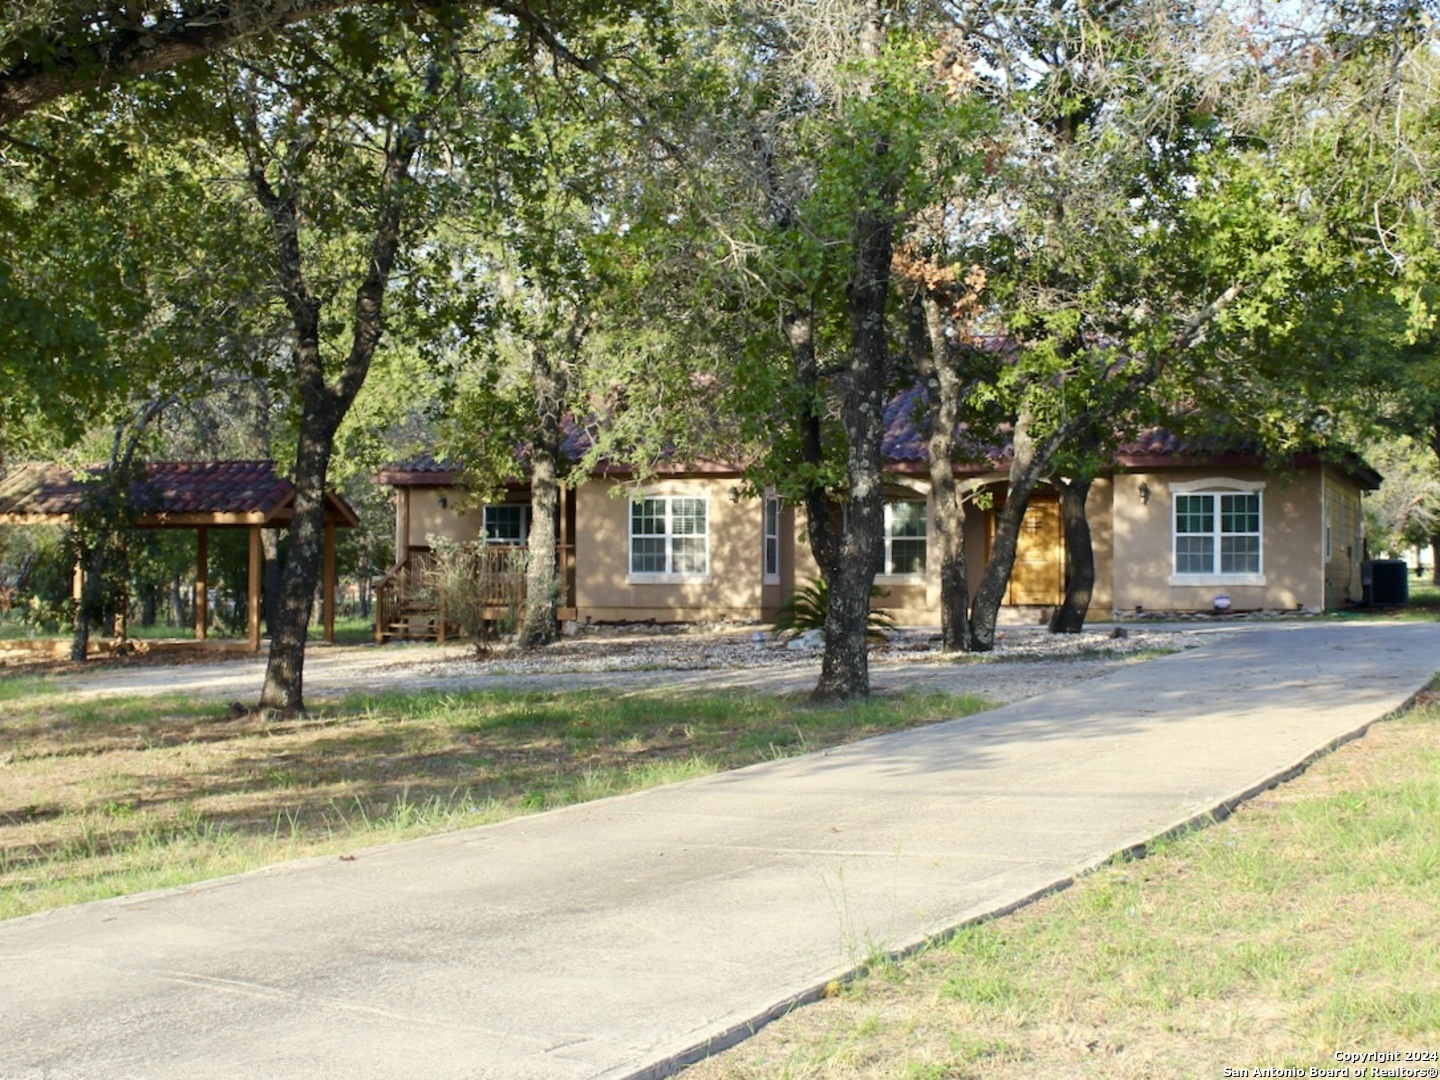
(1215, 487)
(524, 509)
(887, 574)
(668, 576)
(770, 502)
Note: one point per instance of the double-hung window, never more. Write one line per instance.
(669, 538)
(507, 523)
(771, 537)
(1217, 536)
(904, 539)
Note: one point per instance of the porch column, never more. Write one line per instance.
(402, 524)
(202, 584)
(562, 553)
(253, 601)
(327, 585)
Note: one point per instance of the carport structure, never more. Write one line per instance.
(199, 495)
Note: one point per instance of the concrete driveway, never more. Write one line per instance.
(617, 938)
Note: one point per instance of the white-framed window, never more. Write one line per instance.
(669, 538)
(770, 530)
(507, 523)
(904, 538)
(1217, 534)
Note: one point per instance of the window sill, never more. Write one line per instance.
(1209, 580)
(667, 579)
(899, 579)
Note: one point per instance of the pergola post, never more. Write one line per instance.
(327, 585)
(253, 602)
(402, 527)
(202, 583)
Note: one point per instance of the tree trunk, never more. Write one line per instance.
(1024, 476)
(1069, 617)
(943, 385)
(284, 674)
(537, 626)
(798, 326)
(845, 669)
(542, 579)
(179, 613)
(101, 523)
(322, 406)
(87, 606)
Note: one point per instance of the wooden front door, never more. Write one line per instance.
(1039, 574)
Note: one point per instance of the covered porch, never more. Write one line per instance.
(432, 505)
(198, 495)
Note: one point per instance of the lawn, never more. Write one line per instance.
(109, 797)
(1302, 929)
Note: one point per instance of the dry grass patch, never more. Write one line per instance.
(1305, 924)
(109, 797)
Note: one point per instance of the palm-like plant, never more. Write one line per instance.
(806, 610)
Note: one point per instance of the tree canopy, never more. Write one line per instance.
(739, 234)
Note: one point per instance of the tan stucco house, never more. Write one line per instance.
(1172, 531)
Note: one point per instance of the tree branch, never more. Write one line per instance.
(78, 57)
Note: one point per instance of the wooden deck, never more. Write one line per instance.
(409, 606)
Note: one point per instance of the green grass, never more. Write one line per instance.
(1305, 924)
(1423, 605)
(1424, 592)
(25, 687)
(112, 796)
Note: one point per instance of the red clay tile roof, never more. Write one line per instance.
(178, 492)
(422, 470)
(903, 449)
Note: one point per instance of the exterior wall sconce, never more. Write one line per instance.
(1144, 493)
(734, 494)
(443, 501)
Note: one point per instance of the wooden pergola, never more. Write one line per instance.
(199, 495)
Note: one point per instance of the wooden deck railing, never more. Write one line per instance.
(408, 603)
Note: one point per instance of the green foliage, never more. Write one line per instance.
(1405, 512)
(809, 606)
(35, 576)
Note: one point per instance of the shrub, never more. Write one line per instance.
(478, 587)
(806, 610)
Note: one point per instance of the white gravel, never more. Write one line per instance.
(1026, 661)
(703, 650)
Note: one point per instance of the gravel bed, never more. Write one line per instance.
(1026, 661)
(711, 649)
